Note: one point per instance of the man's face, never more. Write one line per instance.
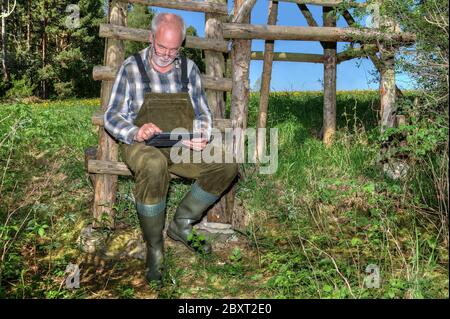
(166, 43)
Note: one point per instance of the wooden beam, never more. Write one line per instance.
(214, 61)
(90, 153)
(309, 18)
(265, 84)
(327, 3)
(186, 5)
(349, 18)
(289, 57)
(244, 11)
(327, 34)
(143, 35)
(106, 185)
(111, 168)
(108, 167)
(214, 83)
(215, 67)
(308, 15)
(329, 80)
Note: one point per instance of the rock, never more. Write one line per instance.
(215, 228)
(396, 170)
(91, 240)
(120, 243)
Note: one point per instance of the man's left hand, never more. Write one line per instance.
(197, 143)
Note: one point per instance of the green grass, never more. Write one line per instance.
(314, 226)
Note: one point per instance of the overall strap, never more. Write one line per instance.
(184, 76)
(144, 75)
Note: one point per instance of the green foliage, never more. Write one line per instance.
(139, 16)
(21, 88)
(62, 67)
(314, 226)
(194, 54)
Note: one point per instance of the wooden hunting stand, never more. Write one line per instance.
(221, 30)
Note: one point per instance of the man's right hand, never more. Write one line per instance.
(146, 131)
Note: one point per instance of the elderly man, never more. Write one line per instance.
(140, 81)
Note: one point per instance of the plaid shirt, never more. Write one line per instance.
(127, 96)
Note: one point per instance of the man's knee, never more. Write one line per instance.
(229, 170)
(152, 167)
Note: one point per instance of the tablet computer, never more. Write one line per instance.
(163, 139)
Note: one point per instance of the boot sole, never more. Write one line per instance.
(175, 237)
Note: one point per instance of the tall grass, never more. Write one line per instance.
(315, 225)
(334, 212)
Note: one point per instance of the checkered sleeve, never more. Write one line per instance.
(203, 113)
(117, 117)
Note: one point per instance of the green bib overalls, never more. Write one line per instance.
(152, 167)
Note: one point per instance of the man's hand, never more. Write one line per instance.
(146, 131)
(197, 143)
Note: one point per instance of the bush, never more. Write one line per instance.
(64, 90)
(21, 88)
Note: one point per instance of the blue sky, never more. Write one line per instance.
(295, 76)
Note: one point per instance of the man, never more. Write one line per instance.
(140, 81)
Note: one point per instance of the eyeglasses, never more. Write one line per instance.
(163, 51)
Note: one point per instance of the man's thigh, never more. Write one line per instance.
(138, 155)
(198, 164)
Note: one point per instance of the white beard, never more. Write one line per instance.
(160, 61)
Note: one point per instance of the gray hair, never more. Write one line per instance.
(168, 17)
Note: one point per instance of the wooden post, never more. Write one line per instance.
(243, 12)
(105, 185)
(329, 80)
(215, 67)
(214, 61)
(240, 96)
(265, 81)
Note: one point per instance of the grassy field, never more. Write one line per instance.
(314, 225)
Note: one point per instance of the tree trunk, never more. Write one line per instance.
(6, 76)
(44, 84)
(28, 26)
(387, 77)
(329, 80)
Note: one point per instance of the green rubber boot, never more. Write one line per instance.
(151, 219)
(190, 211)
